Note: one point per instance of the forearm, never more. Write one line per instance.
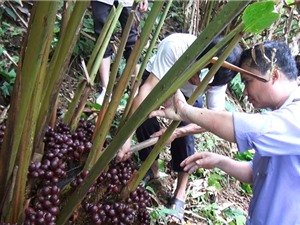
(188, 129)
(240, 170)
(218, 122)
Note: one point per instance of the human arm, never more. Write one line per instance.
(145, 89)
(240, 170)
(180, 131)
(218, 122)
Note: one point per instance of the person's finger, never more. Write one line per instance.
(126, 156)
(188, 166)
(158, 133)
(168, 102)
(159, 112)
(183, 163)
(119, 157)
(191, 168)
(190, 159)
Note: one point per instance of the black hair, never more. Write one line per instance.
(276, 54)
(223, 75)
(297, 59)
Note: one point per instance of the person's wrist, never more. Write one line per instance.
(184, 112)
(221, 162)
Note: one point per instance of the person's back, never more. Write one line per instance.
(170, 50)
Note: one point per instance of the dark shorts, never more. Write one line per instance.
(181, 148)
(100, 13)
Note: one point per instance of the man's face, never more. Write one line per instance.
(259, 93)
(195, 80)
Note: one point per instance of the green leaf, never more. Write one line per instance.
(259, 16)
(2, 49)
(93, 105)
(240, 220)
(11, 13)
(6, 89)
(19, 2)
(290, 2)
(8, 76)
(161, 165)
(230, 107)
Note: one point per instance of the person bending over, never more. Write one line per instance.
(182, 146)
(274, 171)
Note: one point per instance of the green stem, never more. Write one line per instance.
(59, 64)
(29, 68)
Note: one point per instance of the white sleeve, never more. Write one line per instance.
(215, 97)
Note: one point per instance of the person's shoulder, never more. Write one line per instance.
(182, 36)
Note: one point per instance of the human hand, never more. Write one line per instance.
(124, 153)
(173, 107)
(143, 6)
(161, 132)
(206, 160)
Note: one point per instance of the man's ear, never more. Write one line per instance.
(276, 75)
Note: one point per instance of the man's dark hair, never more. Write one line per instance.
(297, 59)
(269, 55)
(223, 75)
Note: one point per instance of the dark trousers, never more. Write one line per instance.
(181, 147)
(100, 13)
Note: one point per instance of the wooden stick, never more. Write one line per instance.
(238, 69)
(144, 144)
(150, 142)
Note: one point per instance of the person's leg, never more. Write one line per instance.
(181, 148)
(182, 182)
(100, 12)
(143, 133)
(104, 71)
(135, 73)
(132, 38)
